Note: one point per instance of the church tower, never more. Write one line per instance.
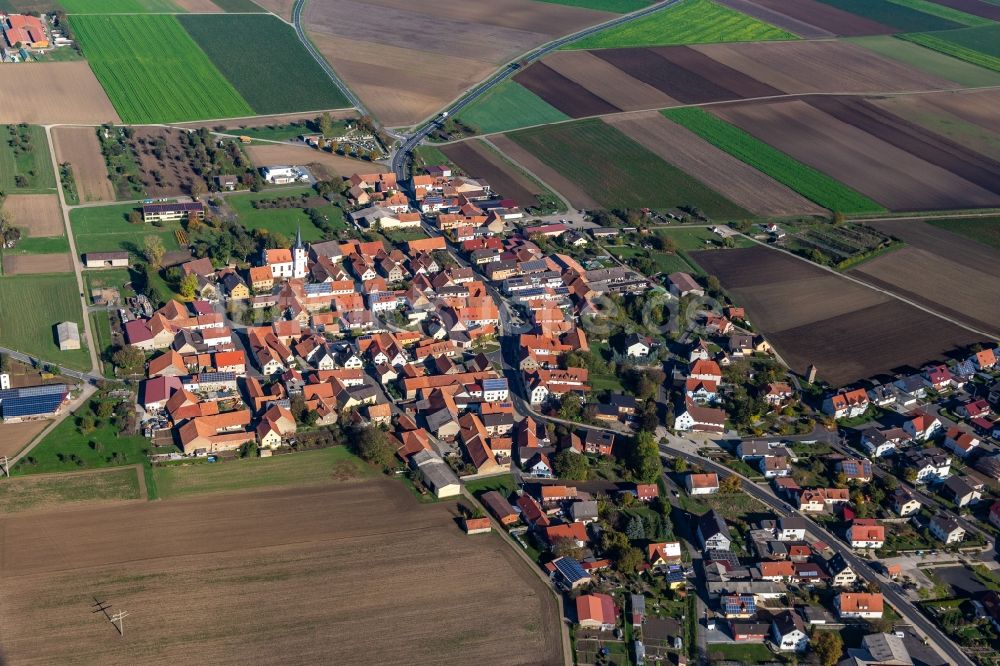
(299, 264)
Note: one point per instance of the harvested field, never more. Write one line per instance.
(79, 146)
(196, 6)
(282, 8)
(564, 94)
(36, 214)
(813, 316)
(827, 17)
(479, 161)
(933, 62)
(273, 576)
(73, 490)
(926, 277)
(650, 67)
(737, 83)
(575, 194)
(43, 89)
(607, 81)
(775, 18)
(741, 183)
(333, 164)
(948, 244)
(891, 176)
(16, 436)
(821, 66)
(986, 10)
(953, 157)
(974, 106)
(424, 55)
(35, 264)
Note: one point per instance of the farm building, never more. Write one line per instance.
(283, 175)
(68, 335)
(19, 404)
(173, 212)
(436, 474)
(28, 31)
(106, 260)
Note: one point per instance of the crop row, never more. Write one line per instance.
(947, 43)
(807, 181)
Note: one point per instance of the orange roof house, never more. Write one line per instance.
(25, 30)
(595, 610)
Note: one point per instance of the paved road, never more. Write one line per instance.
(401, 157)
(318, 57)
(862, 567)
(36, 362)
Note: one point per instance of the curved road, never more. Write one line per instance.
(318, 57)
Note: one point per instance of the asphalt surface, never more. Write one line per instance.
(36, 362)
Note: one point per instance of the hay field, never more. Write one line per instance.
(361, 571)
(41, 301)
(54, 92)
(36, 214)
(49, 492)
(79, 146)
(423, 55)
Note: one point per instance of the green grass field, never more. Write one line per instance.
(100, 326)
(985, 230)
(932, 62)
(281, 220)
(510, 106)
(980, 46)
(305, 468)
(619, 173)
(33, 165)
(616, 6)
(32, 305)
(288, 79)
(119, 6)
(954, 15)
(31, 492)
(689, 22)
(40, 245)
(902, 16)
(665, 263)
(805, 180)
(153, 71)
(503, 484)
(107, 229)
(237, 6)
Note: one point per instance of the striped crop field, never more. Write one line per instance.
(980, 46)
(153, 71)
(810, 183)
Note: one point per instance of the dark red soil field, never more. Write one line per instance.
(477, 161)
(649, 67)
(974, 7)
(740, 84)
(827, 17)
(783, 21)
(568, 96)
(813, 316)
(912, 138)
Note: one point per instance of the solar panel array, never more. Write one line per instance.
(570, 568)
(32, 400)
(742, 604)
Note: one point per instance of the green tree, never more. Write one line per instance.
(567, 464)
(630, 561)
(105, 409)
(189, 286)
(135, 217)
(680, 465)
(635, 530)
(153, 250)
(644, 458)
(731, 484)
(373, 446)
(129, 358)
(326, 125)
(87, 423)
(829, 647)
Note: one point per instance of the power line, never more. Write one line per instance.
(3, 466)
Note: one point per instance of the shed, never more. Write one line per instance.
(68, 335)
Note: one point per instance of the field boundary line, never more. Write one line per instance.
(492, 146)
(300, 31)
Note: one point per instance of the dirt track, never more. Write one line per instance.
(737, 181)
(53, 92)
(79, 146)
(479, 161)
(360, 571)
(36, 214)
(37, 264)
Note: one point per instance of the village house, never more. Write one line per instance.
(946, 529)
(865, 605)
(865, 533)
(922, 426)
(702, 484)
(847, 404)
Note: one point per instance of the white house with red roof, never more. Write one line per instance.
(922, 426)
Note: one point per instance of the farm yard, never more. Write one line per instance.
(423, 56)
(813, 316)
(290, 578)
(688, 22)
(41, 302)
(616, 171)
(79, 147)
(479, 161)
(43, 90)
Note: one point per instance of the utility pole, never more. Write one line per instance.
(119, 617)
(3, 466)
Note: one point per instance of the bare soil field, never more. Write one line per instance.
(975, 7)
(233, 125)
(827, 17)
(652, 68)
(736, 180)
(891, 176)
(576, 195)
(16, 436)
(939, 283)
(813, 316)
(821, 66)
(564, 94)
(607, 81)
(479, 161)
(54, 92)
(36, 214)
(422, 55)
(943, 243)
(333, 164)
(775, 18)
(956, 158)
(36, 264)
(736, 82)
(282, 8)
(922, 110)
(358, 570)
(973, 106)
(79, 146)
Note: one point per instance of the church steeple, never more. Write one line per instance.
(298, 239)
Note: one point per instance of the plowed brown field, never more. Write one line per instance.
(607, 81)
(891, 176)
(36, 264)
(16, 436)
(775, 18)
(827, 17)
(79, 146)
(479, 161)
(406, 60)
(736, 180)
(36, 214)
(962, 118)
(565, 94)
(53, 92)
(576, 195)
(974, 7)
(812, 316)
(354, 573)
